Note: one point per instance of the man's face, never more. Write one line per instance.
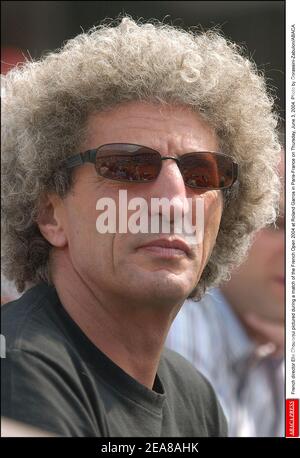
(117, 264)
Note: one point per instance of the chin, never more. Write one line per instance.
(168, 287)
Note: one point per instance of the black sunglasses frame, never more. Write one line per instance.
(90, 157)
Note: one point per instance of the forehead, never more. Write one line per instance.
(157, 126)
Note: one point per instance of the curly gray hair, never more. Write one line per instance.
(47, 103)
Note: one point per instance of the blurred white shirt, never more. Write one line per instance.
(248, 382)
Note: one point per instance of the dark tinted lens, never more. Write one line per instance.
(207, 170)
(131, 163)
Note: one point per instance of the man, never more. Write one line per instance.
(241, 325)
(155, 113)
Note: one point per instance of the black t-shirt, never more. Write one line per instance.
(56, 379)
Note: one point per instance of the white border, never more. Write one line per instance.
(292, 77)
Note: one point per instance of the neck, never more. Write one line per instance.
(131, 335)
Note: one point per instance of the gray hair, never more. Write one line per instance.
(47, 103)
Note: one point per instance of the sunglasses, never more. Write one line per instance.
(139, 164)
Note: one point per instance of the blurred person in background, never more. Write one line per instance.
(235, 336)
(85, 342)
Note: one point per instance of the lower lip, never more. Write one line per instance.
(164, 252)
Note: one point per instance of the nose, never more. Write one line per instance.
(170, 182)
(170, 187)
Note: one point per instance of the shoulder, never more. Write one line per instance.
(43, 381)
(178, 368)
(36, 326)
(190, 391)
(29, 320)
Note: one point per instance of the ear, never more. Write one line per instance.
(51, 219)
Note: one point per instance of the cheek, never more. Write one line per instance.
(85, 242)
(213, 207)
(90, 252)
(82, 220)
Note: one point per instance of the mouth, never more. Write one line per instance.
(167, 248)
